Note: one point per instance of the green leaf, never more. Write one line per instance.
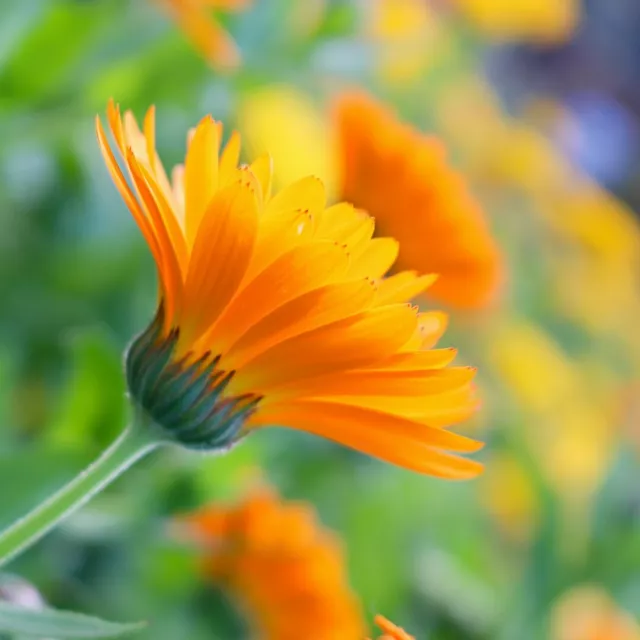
(50, 623)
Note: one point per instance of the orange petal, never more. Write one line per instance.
(419, 360)
(169, 220)
(229, 159)
(376, 259)
(127, 195)
(403, 286)
(200, 175)
(374, 433)
(362, 340)
(310, 311)
(262, 169)
(369, 382)
(293, 274)
(221, 254)
(170, 271)
(307, 194)
(433, 324)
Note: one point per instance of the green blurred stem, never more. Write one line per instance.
(134, 443)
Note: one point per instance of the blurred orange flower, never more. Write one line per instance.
(205, 32)
(588, 613)
(391, 631)
(274, 310)
(403, 179)
(284, 569)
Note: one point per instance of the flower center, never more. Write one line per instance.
(185, 397)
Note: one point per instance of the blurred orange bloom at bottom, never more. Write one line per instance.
(588, 613)
(284, 569)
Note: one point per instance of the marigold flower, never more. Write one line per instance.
(284, 569)
(391, 631)
(589, 613)
(403, 179)
(275, 311)
(205, 32)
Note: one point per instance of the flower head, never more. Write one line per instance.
(206, 33)
(284, 569)
(403, 179)
(274, 310)
(391, 631)
(589, 613)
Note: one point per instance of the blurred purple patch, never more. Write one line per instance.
(600, 136)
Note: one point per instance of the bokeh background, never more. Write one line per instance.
(538, 103)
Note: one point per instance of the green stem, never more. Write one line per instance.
(130, 446)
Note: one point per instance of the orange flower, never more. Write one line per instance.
(403, 179)
(391, 631)
(206, 33)
(588, 613)
(284, 569)
(274, 310)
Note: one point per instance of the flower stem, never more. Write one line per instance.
(131, 445)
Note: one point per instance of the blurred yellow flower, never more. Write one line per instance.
(285, 123)
(529, 20)
(404, 179)
(589, 613)
(283, 568)
(501, 150)
(205, 32)
(598, 268)
(509, 496)
(274, 310)
(573, 435)
(405, 34)
(533, 366)
(600, 223)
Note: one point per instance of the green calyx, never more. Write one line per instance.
(184, 398)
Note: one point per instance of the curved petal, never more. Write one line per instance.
(220, 257)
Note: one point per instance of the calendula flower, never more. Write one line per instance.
(195, 18)
(282, 567)
(403, 179)
(274, 310)
(391, 631)
(529, 20)
(589, 613)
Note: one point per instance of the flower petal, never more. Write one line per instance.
(221, 254)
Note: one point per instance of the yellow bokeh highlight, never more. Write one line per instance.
(285, 123)
(405, 33)
(529, 20)
(508, 494)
